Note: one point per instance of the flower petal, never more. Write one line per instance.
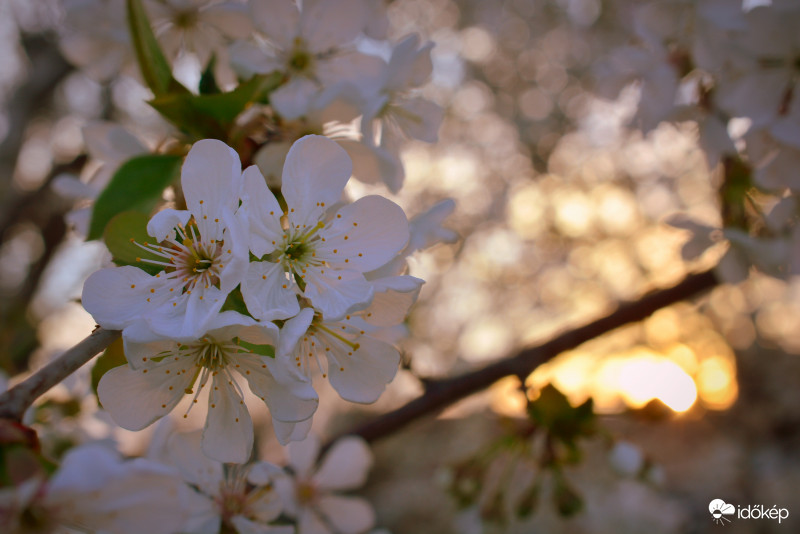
(311, 523)
(365, 234)
(314, 176)
(246, 526)
(348, 515)
(117, 296)
(136, 398)
(326, 24)
(162, 225)
(289, 399)
(211, 178)
(392, 300)
(289, 432)
(303, 455)
(420, 119)
(362, 376)
(336, 292)
(345, 466)
(228, 432)
(267, 292)
(263, 212)
(291, 101)
(278, 20)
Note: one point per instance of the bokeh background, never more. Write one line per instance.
(561, 209)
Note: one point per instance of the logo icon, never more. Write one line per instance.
(719, 509)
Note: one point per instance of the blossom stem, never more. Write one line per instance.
(16, 400)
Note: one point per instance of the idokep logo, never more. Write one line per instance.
(719, 509)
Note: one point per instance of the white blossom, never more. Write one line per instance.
(310, 494)
(162, 372)
(203, 251)
(319, 251)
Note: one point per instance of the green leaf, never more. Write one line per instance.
(121, 235)
(152, 63)
(553, 412)
(114, 356)
(208, 83)
(262, 350)
(212, 115)
(137, 185)
(235, 302)
(568, 502)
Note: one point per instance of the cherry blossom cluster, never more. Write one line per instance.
(731, 68)
(309, 274)
(369, 104)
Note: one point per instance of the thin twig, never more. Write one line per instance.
(442, 393)
(16, 400)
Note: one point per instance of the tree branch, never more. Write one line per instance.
(16, 400)
(442, 393)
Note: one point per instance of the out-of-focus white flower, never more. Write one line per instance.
(110, 145)
(240, 497)
(312, 46)
(775, 164)
(94, 491)
(309, 494)
(95, 38)
(626, 458)
(322, 252)
(200, 27)
(203, 251)
(392, 114)
(162, 372)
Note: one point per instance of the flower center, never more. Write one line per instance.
(300, 59)
(212, 355)
(185, 19)
(188, 260)
(305, 492)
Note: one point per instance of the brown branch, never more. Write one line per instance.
(16, 400)
(442, 393)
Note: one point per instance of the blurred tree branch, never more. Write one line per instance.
(16, 400)
(441, 393)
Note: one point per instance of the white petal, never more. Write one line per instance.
(420, 119)
(303, 455)
(291, 100)
(372, 163)
(345, 466)
(290, 399)
(233, 20)
(362, 376)
(228, 432)
(211, 177)
(354, 67)
(139, 353)
(349, 515)
(393, 297)
(289, 432)
(263, 212)
(262, 473)
(327, 24)
(135, 399)
(183, 452)
(190, 315)
(336, 292)
(162, 225)
(278, 19)
(314, 177)
(266, 507)
(408, 66)
(291, 332)
(235, 256)
(311, 523)
(117, 296)
(426, 228)
(369, 233)
(267, 292)
(247, 59)
(110, 142)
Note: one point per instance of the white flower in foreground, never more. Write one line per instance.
(237, 498)
(203, 251)
(312, 46)
(318, 251)
(359, 363)
(309, 494)
(94, 491)
(162, 372)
